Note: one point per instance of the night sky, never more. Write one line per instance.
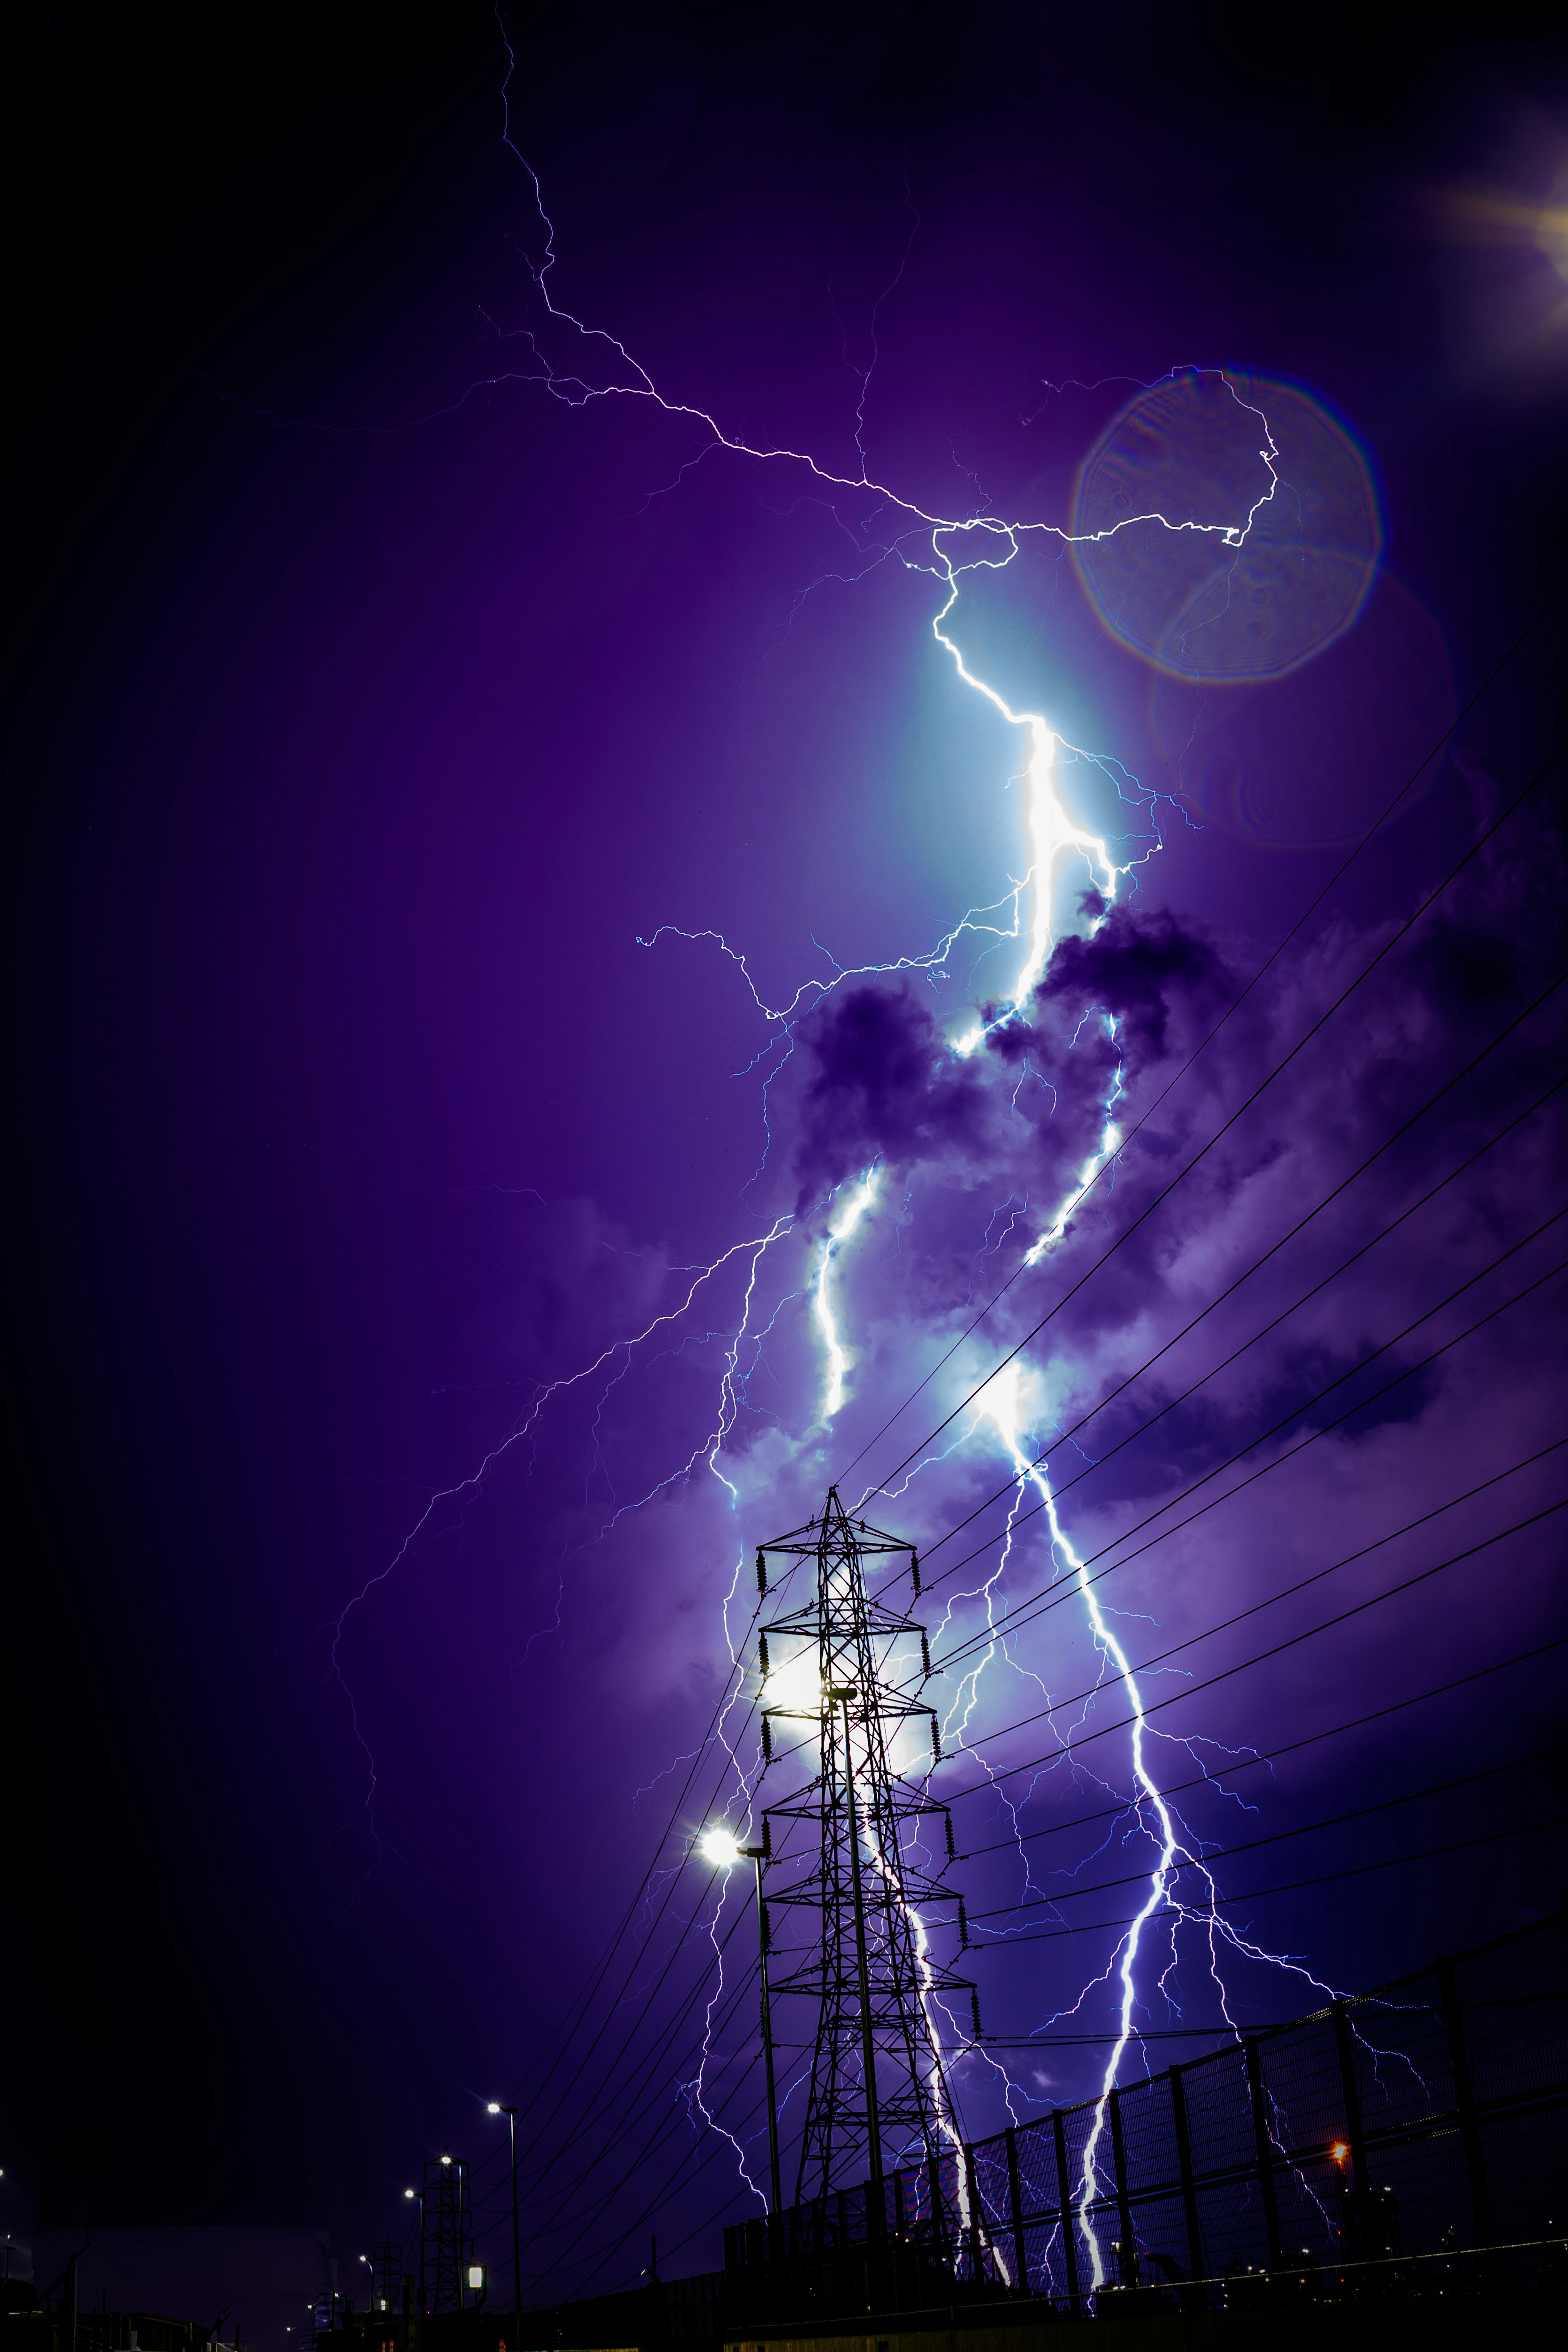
(391, 664)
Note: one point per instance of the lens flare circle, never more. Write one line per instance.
(1194, 449)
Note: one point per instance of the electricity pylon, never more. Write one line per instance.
(446, 2231)
(879, 2096)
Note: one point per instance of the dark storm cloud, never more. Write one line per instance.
(1144, 969)
(885, 1086)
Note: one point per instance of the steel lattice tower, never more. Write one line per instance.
(447, 2241)
(386, 2276)
(879, 2089)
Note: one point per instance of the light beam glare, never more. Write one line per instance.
(836, 1355)
(1052, 833)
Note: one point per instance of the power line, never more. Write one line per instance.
(658, 2140)
(1048, 1599)
(690, 1775)
(1295, 1885)
(1308, 1829)
(561, 2040)
(1226, 1673)
(1217, 1779)
(1249, 1845)
(1108, 1396)
(713, 2025)
(723, 1702)
(1203, 1150)
(562, 2043)
(1236, 1002)
(1333, 1731)
(594, 1986)
(1390, 1862)
(1191, 1689)
(1287, 1592)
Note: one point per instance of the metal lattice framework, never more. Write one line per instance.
(879, 2093)
(447, 2234)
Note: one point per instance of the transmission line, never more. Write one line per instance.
(1250, 1845)
(1295, 1885)
(1226, 1673)
(1108, 1396)
(1043, 1603)
(1048, 1597)
(1302, 1042)
(1287, 1592)
(1235, 1005)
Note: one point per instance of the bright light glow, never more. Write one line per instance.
(409, 2192)
(475, 2275)
(1338, 2151)
(493, 2107)
(1052, 833)
(445, 2157)
(720, 1849)
(796, 1683)
(838, 1233)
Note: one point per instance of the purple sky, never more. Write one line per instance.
(386, 701)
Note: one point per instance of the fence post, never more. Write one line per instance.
(1185, 2158)
(1064, 2199)
(938, 2209)
(1465, 2103)
(1124, 2203)
(1015, 2208)
(1346, 2049)
(972, 2194)
(1265, 2148)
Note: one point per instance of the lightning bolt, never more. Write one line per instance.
(1177, 1850)
(836, 1355)
(579, 365)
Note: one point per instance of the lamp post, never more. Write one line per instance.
(418, 2195)
(496, 2108)
(723, 1850)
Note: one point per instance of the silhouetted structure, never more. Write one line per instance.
(878, 2091)
(446, 2240)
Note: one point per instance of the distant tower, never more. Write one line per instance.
(879, 2096)
(447, 2246)
(386, 2276)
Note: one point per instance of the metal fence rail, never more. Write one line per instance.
(1421, 2120)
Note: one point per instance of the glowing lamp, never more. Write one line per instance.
(409, 2192)
(445, 2157)
(476, 2276)
(493, 2106)
(720, 1849)
(1338, 2151)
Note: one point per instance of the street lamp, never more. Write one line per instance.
(494, 2107)
(723, 1850)
(417, 2196)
